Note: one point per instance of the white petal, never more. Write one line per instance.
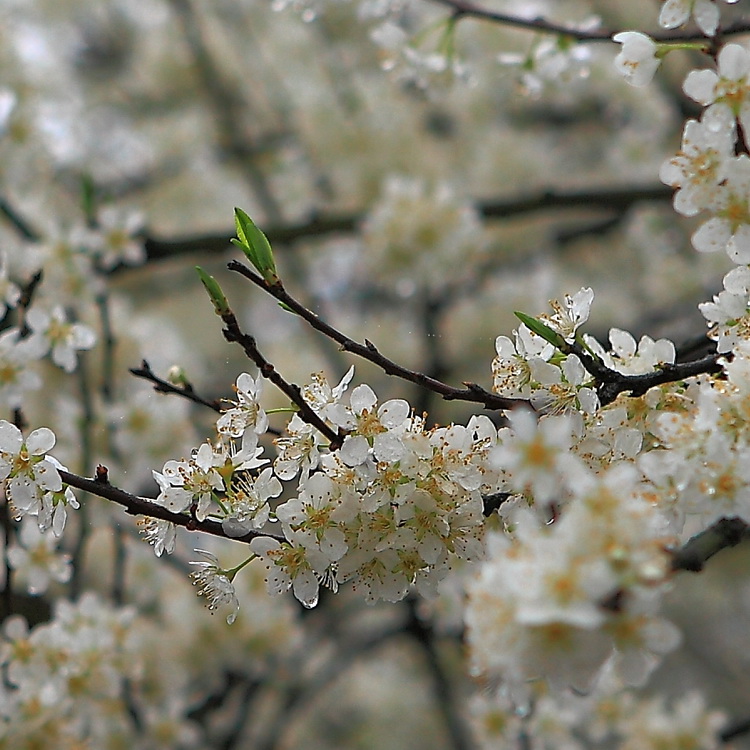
(700, 85)
(712, 236)
(40, 441)
(305, 588)
(394, 412)
(674, 13)
(11, 438)
(363, 397)
(706, 16)
(734, 62)
(739, 247)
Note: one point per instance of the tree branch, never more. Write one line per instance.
(465, 9)
(693, 555)
(142, 506)
(321, 224)
(472, 392)
(162, 386)
(611, 383)
(233, 333)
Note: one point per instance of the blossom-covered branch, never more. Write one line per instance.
(232, 332)
(141, 506)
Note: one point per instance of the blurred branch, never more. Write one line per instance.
(424, 635)
(229, 111)
(21, 226)
(734, 730)
(693, 555)
(301, 694)
(6, 598)
(465, 9)
(321, 224)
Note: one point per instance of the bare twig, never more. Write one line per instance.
(163, 386)
(472, 392)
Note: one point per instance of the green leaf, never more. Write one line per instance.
(218, 299)
(543, 330)
(255, 245)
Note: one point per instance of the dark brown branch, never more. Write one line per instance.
(734, 730)
(465, 9)
(637, 385)
(233, 333)
(142, 506)
(472, 392)
(162, 386)
(611, 383)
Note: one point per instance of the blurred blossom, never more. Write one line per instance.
(421, 232)
(37, 559)
(51, 332)
(115, 239)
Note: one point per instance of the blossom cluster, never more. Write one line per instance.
(387, 511)
(404, 217)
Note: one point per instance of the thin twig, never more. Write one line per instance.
(472, 392)
(185, 390)
(233, 333)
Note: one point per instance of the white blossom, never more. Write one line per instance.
(37, 558)
(699, 167)
(637, 61)
(215, 584)
(248, 412)
(726, 92)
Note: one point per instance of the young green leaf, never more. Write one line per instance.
(218, 299)
(255, 245)
(542, 329)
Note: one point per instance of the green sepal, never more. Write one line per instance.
(542, 329)
(255, 245)
(218, 299)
